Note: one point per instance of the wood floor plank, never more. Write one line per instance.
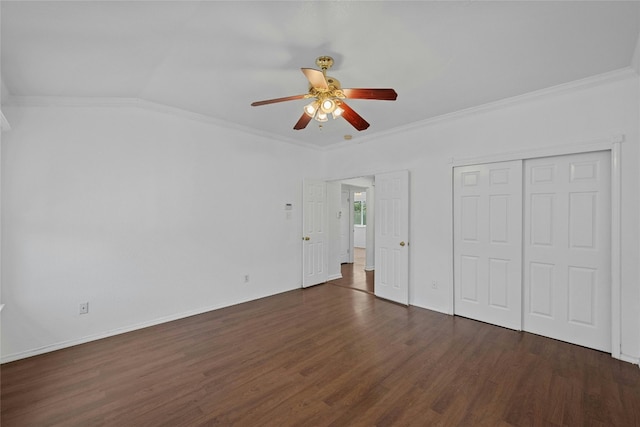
(326, 355)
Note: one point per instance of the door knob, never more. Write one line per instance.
(306, 238)
(402, 243)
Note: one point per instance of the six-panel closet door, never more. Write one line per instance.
(488, 243)
(532, 246)
(567, 248)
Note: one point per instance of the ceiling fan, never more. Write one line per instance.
(328, 97)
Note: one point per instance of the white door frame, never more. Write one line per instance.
(612, 144)
(348, 217)
(370, 216)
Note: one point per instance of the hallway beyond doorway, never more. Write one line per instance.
(354, 276)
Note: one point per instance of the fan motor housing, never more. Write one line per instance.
(324, 62)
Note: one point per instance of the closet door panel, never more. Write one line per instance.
(488, 243)
(567, 248)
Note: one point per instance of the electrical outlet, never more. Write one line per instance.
(434, 285)
(84, 308)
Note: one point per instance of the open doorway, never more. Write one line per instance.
(353, 237)
(388, 255)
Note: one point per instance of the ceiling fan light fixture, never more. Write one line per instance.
(328, 95)
(310, 109)
(328, 106)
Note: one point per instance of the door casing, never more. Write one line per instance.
(371, 218)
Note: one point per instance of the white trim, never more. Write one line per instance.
(635, 59)
(5, 94)
(576, 85)
(89, 338)
(613, 144)
(630, 359)
(616, 250)
(352, 237)
(434, 309)
(561, 89)
(450, 308)
(369, 268)
(334, 277)
(73, 101)
(87, 102)
(4, 123)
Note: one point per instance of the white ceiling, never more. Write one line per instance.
(214, 58)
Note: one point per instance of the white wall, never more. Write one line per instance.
(334, 206)
(151, 217)
(360, 236)
(146, 215)
(567, 117)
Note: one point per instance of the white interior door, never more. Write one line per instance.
(345, 227)
(314, 239)
(488, 243)
(391, 275)
(567, 247)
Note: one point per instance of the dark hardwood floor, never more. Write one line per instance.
(323, 356)
(354, 276)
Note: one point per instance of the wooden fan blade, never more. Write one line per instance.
(381, 94)
(273, 101)
(316, 78)
(352, 117)
(303, 122)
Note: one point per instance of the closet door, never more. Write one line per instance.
(488, 243)
(567, 248)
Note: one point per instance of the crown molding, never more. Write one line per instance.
(203, 118)
(5, 96)
(4, 123)
(574, 86)
(635, 59)
(550, 92)
(121, 102)
(4, 91)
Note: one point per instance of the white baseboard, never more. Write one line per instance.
(334, 277)
(623, 357)
(429, 308)
(94, 337)
(369, 267)
(630, 359)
